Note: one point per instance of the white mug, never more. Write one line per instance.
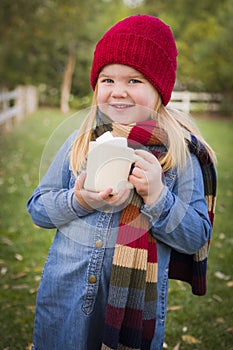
(108, 165)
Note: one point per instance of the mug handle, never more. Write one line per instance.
(134, 159)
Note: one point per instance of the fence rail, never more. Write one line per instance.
(187, 101)
(17, 104)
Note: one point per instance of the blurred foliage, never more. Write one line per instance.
(36, 36)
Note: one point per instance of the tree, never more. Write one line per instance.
(50, 43)
(203, 32)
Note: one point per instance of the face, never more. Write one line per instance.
(124, 94)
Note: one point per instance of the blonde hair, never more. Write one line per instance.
(177, 125)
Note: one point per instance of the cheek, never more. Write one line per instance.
(101, 96)
(148, 97)
(152, 97)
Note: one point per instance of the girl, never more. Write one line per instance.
(105, 282)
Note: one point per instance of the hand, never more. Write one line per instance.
(95, 200)
(147, 177)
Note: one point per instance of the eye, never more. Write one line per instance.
(107, 81)
(135, 81)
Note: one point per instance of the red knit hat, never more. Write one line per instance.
(144, 43)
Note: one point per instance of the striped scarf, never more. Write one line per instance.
(130, 316)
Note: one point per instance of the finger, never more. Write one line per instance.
(147, 156)
(138, 172)
(123, 195)
(119, 198)
(141, 164)
(104, 195)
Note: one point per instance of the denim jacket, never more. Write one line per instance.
(73, 291)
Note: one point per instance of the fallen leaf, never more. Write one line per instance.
(174, 308)
(230, 284)
(189, 339)
(177, 347)
(18, 257)
(7, 241)
(3, 270)
(37, 278)
(217, 298)
(219, 320)
(18, 275)
(31, 307)
(32, 290)
(21, 286)
(221, 276)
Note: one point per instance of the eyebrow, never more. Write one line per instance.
(130, 76)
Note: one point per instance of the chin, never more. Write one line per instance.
(125, 121)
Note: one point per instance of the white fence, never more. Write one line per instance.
(17, 104)
(187, 101)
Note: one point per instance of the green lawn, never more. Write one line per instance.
(197, 323)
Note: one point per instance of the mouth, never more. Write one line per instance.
(120, 106)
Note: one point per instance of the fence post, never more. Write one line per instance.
(31, 98)
(16, 105)
(186, 100)
(5, 105)
(20, 102)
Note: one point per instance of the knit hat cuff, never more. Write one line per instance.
(134, 50)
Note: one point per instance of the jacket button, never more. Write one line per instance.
(98, 243)
(92, 279)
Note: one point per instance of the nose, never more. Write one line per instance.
(119, 91)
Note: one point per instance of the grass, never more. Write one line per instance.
(193, 323)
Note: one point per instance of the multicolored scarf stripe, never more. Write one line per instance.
(130, 317)
(193, 268)
(145, 133)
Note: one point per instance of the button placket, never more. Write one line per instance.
(96, 259)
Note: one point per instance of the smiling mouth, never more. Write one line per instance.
(121, 105)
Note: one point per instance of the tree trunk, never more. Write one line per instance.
(67, 81)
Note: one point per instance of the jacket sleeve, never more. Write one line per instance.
(180, 216)
(52, 204)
